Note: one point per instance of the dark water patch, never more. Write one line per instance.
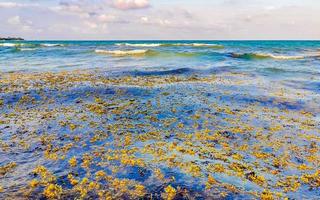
(160, 73)
(277, 71)
(265, 101)
(135, 173)
(248, 56)
(181, 71)
(313, 86)
(273, 70)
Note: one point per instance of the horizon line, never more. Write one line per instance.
(168, 40)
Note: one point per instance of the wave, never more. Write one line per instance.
(150, 53)
(52, 45)
(196, 45)
(189, 54)
(26, 49)
(170, 44)
(136, 52)
(11, 44)
(261, 56)
(30, 45)
(139, 45)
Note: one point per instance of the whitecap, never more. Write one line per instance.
(139, 45)
(273, 56)
(122, 53)
(52, 45)
(26, 49)
(10, 44)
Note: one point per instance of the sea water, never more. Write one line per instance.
(210, 119)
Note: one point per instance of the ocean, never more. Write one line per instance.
(257, 56)
(160, 119)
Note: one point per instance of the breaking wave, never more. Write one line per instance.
(139, 45)
(30, 45)
(149, 53)
(261, 56)
(196, 45)
(51, 45)
(170, 44)
(26, 49)
(11, 44)
(123, 53)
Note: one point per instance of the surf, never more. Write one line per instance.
(150, 53)
(139, 45)
(206, 45)
(28, 49)
(51, 45)
(11, 44)
(136, 52)
(263, 56)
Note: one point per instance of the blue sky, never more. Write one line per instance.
(160, 19)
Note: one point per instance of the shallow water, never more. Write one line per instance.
(160, 119)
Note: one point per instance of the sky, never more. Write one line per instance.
(160, 19)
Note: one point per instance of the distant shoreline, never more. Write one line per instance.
(11, 38)
(148, 40)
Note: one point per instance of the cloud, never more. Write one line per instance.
(91, 25)
(12, 5)
(130, 4)
(71, 8)
(23, 25)
(144, 19)
(113, 19)
(108, 19)
(8, 5)
(104, 18)
(14, 20)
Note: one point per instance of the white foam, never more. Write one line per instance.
(287, 57)
(51, 45)
(122, 53)
(139, 45)
(197, 45)
(27, 49)
(9, 44)
(278, 57)
(282, 57)
(204, 45)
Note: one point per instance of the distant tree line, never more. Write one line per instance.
(11, 38)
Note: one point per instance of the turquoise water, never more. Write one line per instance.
(245, 113)
(256, 56)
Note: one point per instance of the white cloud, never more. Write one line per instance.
(9, 5)
(83, 19)
(24, 25)
(164, 22)
(91, 25)
(106, 18)
(144, 19)
(14, 20)
(130, 4)
(67, 8)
